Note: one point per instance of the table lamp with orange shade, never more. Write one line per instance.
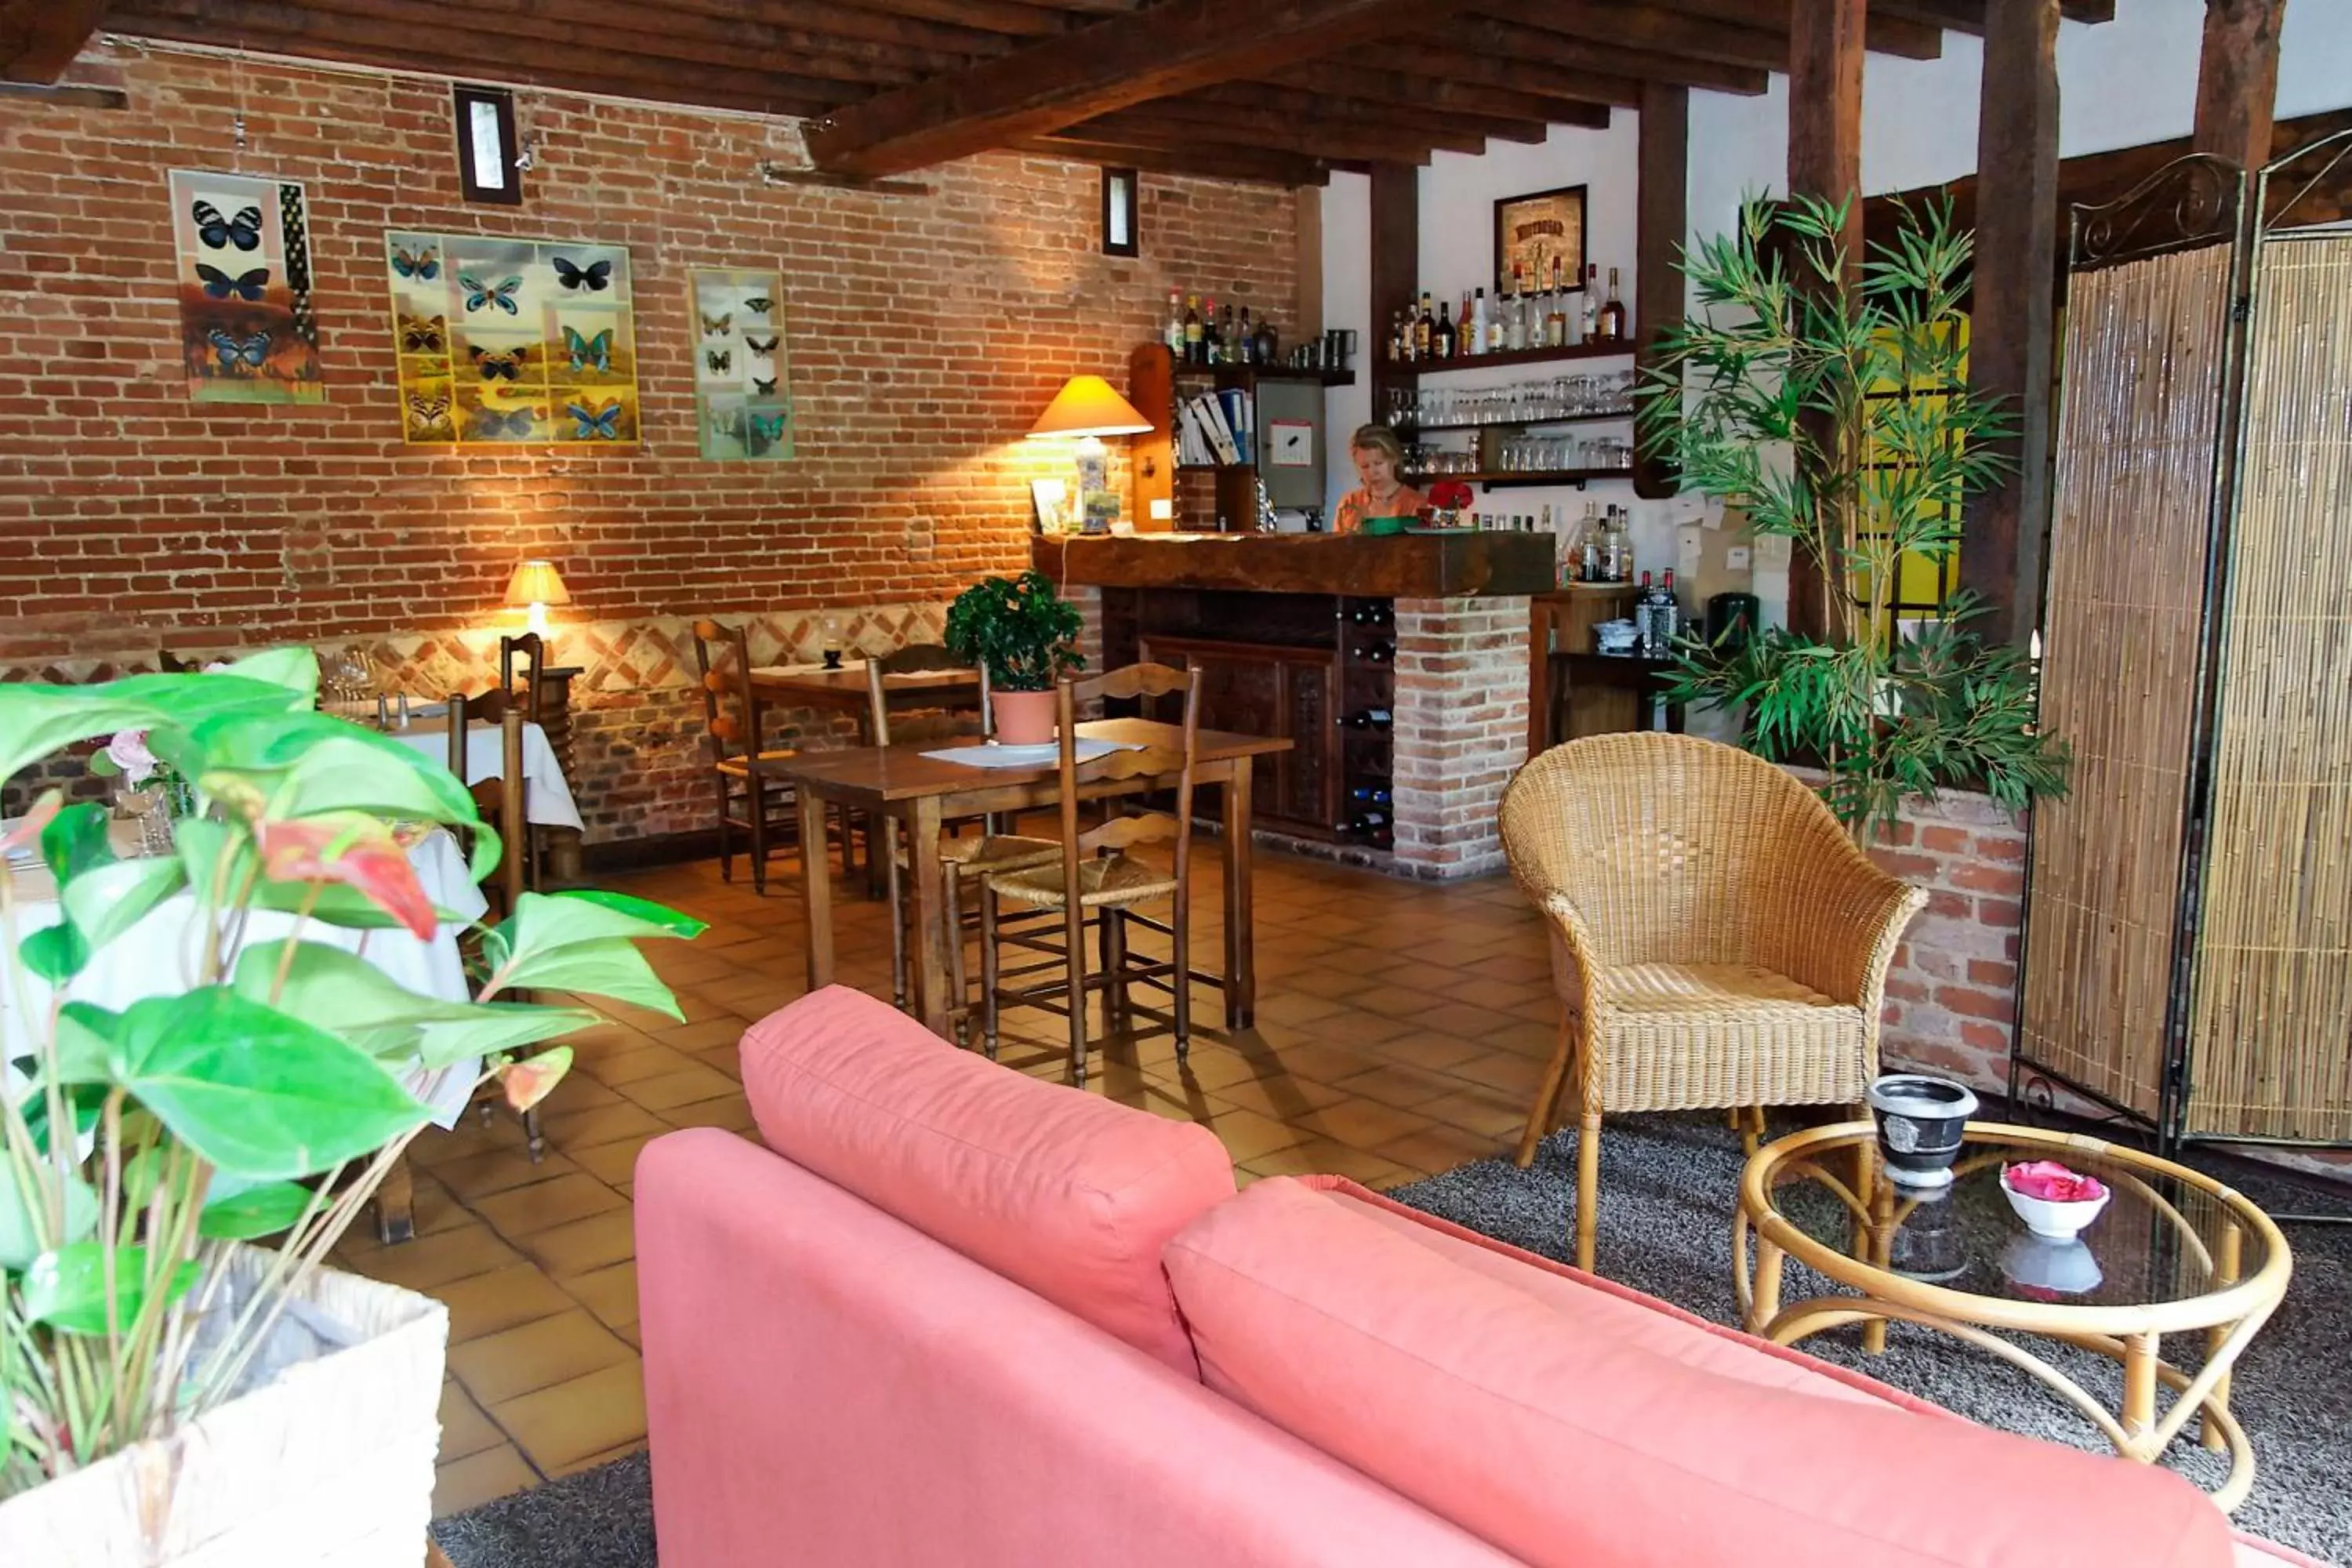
(1088, 408)
(537, 584)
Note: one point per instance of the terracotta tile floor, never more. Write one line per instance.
(1402, 1027)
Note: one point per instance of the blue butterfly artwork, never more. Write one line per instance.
(596, 277)
(236, 353)
(601, 424)
(423, 264)
(504, 424)
(500, 294)
(761, 431)
(220, 285)
(243, 229)
(589, 354)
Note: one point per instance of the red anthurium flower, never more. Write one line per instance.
(352, 848)
(528, 1083)
(1449, 494)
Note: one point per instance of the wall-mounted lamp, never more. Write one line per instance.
(1088, 408)
(537, 584)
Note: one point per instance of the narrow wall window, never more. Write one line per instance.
(1118, 214)
(487, 146)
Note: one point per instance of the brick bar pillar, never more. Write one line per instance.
(1460, 730)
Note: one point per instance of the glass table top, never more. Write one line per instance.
(2161, 1238)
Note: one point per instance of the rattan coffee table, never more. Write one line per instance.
(2174, 1252)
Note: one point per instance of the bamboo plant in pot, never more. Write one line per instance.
(1024, 635)
(1836, 412)
(173, 1386)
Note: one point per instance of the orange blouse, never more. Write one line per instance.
(1356, 505)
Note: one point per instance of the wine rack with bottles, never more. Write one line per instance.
(1366, 645)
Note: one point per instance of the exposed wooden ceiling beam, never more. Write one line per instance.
(330, 38)
(982, 32)
(1964, 15)
(1169, 123)
(1294, 127)
(1572, 88)
(1172, 47)
(1224, 164)
(2088, 10)
(1315, 109)
(605, 27)
(1516, 39)
(1637, 25)
(38, 38)
(1012, 16)
(1885, 32)
(1388, 84)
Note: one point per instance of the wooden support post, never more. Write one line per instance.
(1395, 264)
(2237, 79)
(2009, 325)
(1663, 216)
(1825, 48)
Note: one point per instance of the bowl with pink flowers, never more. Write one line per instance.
(2052, 1201)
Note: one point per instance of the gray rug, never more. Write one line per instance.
(1667, 1184)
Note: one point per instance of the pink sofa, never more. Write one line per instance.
(953, 1315)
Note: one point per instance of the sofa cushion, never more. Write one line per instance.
(1061, 1192)
(1544, 1428)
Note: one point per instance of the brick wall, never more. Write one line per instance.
(1951, 993)
(1461, 728)
(925, 333)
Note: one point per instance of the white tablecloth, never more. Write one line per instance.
(157, 955)
(547, 800)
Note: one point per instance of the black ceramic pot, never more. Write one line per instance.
(1919, 1122)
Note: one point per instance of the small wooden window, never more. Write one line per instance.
(1120, 223)
(487, 149)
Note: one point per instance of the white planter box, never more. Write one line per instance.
(330, 1464)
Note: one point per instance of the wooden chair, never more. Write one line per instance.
(744, 782)
(1094, 876)
(529, 651)
(974, 854)
(1718, 941)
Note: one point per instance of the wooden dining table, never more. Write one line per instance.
(924, 792)
(844, 690)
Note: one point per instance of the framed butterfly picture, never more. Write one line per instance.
(526, 340)
(248, 331)
(742, 383)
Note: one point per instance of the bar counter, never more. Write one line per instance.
(1397, 667)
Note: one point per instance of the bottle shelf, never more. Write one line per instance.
(1411, 428)
(1523, 478)
(1236, 373)
(1399, 370)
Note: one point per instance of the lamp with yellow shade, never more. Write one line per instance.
(1086, 409)
(537, 584)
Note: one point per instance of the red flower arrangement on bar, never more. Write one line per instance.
(1446, 496)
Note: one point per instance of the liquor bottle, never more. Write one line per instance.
(1616, 549)
(1613, 315)
(1368, 719)
(1556, 309)
(1173, 333)
(1228, 347)
(1370, 794)
(1465, 332)
(1588, 547)
(1246, 345)
(1591, 305)
(1666, 616)
(1368, 823)
(1377, 651)
(1266, 344)
(1422, 321)
(1441, 336)
(1195, 344)
(1643, 608)
(1514, 314)
(1479, 320)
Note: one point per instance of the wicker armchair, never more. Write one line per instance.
(1718, 941)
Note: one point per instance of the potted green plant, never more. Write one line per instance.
(170, 1387)
(1837, 412)
(1025, 635)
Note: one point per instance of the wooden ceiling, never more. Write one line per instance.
(1283, 91)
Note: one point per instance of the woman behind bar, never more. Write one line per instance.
(1379, 463)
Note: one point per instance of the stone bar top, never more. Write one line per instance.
(1400, 567)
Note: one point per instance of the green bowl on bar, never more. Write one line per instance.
(1382, 526)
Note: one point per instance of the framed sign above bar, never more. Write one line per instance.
(488, 152)
(1121, 227)
(1537, 232)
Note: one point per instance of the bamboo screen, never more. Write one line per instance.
(2270, 1016)
(2145, 350)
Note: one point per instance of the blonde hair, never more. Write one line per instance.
(1379, 438)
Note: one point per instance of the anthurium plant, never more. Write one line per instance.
(267, 1091)
(1025, 633)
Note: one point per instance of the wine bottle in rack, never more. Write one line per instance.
(1377, 651)
(1368, 719)
(1368, 823)
(1371, 794)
